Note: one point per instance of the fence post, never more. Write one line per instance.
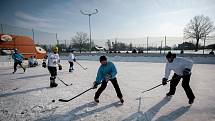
(57, 40)
(147, 44)
(2, 29)
(161, 47)
(204, 45)
(33, 35)
(165, 44)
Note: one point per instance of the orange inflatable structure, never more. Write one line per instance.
(24, 44)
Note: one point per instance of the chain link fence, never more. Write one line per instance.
(148, 44)
(39, 37)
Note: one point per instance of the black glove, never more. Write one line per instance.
(186, 72)
(74, 60)
(164, 81)
(59, 67)
(44, 64)
(95, 85)
(108, 77)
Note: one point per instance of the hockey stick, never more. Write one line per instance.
(81, 65)
(154, 87)
(64, 100)
(63, 81)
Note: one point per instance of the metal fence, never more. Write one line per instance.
(39, 37)
(147, 43)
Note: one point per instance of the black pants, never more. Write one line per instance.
(15, 65)
(52, 71)
(185, 84)
(104, 85)
(71, 65)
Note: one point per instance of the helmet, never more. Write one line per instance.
(15, 50)
(55, 49)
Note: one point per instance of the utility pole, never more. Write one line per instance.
(147, 45)
(33, 35)
(161, 47)
(2, 29)
(204, 45)
(89, 14)
(57, 40)
(165, 44)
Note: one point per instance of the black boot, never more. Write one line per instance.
(168, 94)
(52, 82)
(191, 100)
(96, 100)
(24, 69)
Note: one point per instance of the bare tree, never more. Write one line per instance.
(198, 28)
(80, 40)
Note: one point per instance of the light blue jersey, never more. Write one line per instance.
(17, 57)
(109, 68)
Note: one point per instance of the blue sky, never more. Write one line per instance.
(116, 18)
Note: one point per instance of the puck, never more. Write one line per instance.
(53, 100)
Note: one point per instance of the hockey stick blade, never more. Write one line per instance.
(62, 100)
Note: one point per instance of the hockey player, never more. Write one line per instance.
(71, 59)
(53, 62)
(18, 59)
(182, 69)
(106, 72)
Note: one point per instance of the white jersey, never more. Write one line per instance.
(178, 65)
(71, 57)
(53, 59)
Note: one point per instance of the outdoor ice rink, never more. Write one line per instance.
(27, 96)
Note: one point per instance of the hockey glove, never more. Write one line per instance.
(186, 72)
(164, 81)
(108, 77)
(44, 64)
(59, 67)
(74, 60)
(95, 85)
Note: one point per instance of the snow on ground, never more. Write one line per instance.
(27, 96)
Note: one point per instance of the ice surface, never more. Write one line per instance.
(27, 96)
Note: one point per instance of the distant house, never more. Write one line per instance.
(186, 46)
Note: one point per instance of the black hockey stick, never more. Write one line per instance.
(63, 82)
(153, 87)
(81, 65)
(64, 100)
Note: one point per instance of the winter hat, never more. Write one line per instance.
(15, 50)
(55, 49)
(170, 55)
(102, 58)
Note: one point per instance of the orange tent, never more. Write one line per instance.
(25, 46)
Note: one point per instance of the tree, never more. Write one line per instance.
(80, 40)
(130, 46)
(198, 28)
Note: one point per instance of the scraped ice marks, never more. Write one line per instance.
(4, 111)
(6, 115)
(41, 110)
